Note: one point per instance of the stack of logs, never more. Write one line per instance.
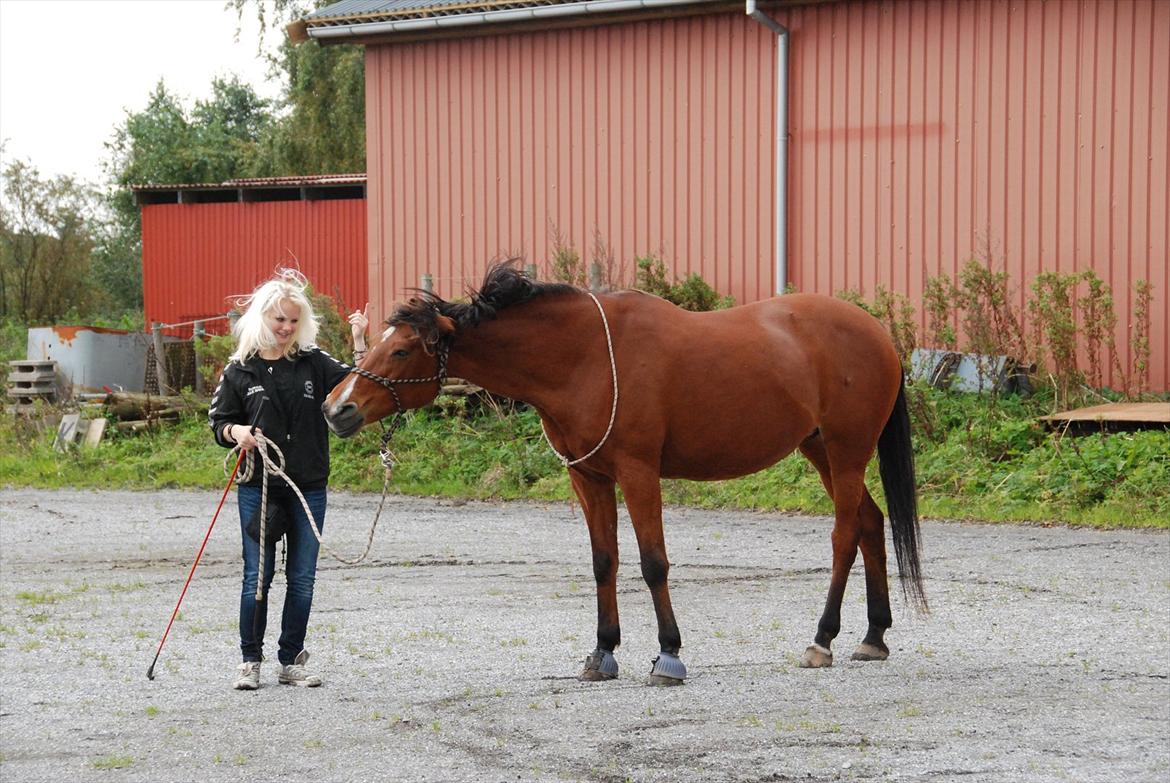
(137, 412)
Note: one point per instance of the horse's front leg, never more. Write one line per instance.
(600, 506)
(643, 492)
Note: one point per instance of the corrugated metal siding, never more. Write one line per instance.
(926, 133)
(195, 256)
(922, 134)
(657, 135)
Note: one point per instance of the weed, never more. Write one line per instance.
(430, 633)
(151, 711)
(113, 762)
(940, 298)
(1140, 339)
(37, 599)
(565, 265)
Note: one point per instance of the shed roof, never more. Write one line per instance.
(350, 21)
(312, 180)
(306, 188)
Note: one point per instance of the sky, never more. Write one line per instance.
(71, 69)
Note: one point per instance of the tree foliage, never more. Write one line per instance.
(165, 143)
(322, 123)
(46, 239)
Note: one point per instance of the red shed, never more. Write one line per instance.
(202, 244)
(828, 145)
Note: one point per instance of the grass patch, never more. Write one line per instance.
(113, 762)
(38, 599)
(978, 458)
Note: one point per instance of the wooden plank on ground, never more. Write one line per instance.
(94, 432)
(1132, 412)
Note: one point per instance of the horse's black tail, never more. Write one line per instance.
(896, 464)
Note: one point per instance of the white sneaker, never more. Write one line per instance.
(249, 677)
(296, 673)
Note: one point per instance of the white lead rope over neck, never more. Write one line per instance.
(568, 463)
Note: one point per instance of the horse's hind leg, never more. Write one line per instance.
(600, 506)
(877, 587)
(845, 486)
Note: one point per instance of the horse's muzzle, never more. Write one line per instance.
(344, 420)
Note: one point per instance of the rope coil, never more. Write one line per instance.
(274, 466)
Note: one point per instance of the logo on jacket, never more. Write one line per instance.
(254, 390)
(309, 389)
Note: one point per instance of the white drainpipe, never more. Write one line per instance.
(781, 141)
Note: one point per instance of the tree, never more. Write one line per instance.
(165, 144)
(322, 129)
(46, 240)
(218, 139)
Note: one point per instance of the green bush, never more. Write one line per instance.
(692, 293)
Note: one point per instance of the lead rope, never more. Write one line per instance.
(275, 467)
(613, 411)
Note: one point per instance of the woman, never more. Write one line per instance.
(273, 385)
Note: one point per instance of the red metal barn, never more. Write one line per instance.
(202, 245)
(826, 146)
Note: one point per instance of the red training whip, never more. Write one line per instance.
(150, 671)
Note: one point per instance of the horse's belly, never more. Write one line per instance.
(738, 452)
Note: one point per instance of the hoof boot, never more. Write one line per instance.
(667, 670)
(599, 665)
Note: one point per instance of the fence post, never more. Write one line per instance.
(531, 270)
(197, 342)
(427, 284)
(595, 277)
(160, 358)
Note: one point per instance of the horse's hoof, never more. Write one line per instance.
(600, 665)
(667, 670)
(816, 657)
(869, 652)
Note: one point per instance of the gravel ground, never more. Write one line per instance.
(451, 654)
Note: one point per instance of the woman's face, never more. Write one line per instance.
(284, 320)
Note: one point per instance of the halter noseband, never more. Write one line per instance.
(439, 376)
(388, 383)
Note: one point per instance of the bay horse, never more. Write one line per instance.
(702, 396)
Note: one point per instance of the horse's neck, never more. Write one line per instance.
(531, 352)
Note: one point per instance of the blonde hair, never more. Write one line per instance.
(252, 333)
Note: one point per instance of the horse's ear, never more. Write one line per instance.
(445, 324)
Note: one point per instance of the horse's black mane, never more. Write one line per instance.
(503, 286)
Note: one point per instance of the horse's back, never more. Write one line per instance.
(734, 390)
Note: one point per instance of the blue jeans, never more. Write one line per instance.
(300, 568)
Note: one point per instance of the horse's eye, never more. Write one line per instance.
(400, 354)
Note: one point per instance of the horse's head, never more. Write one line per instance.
(404, 370)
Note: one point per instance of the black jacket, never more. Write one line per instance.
(301, 434)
